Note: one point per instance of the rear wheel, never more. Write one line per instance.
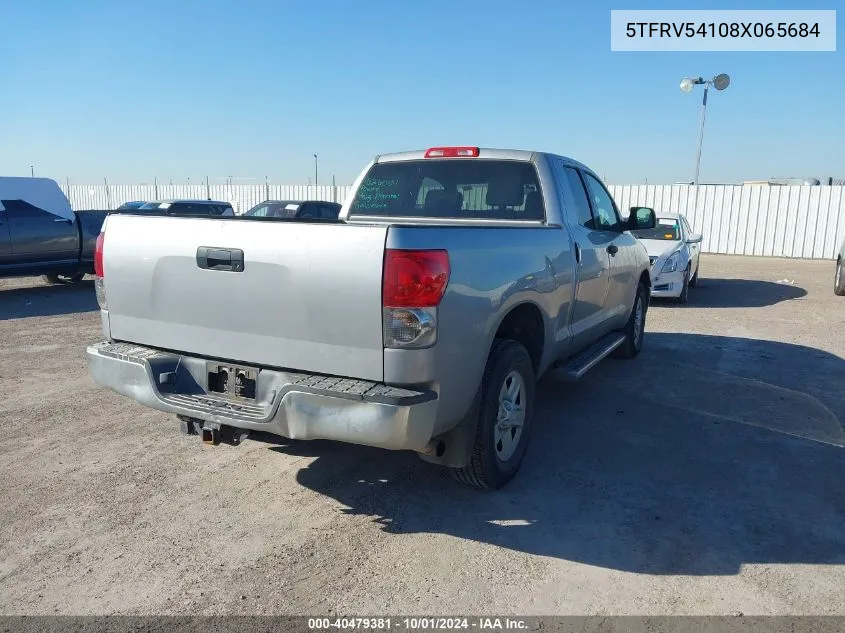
(839, 280)
(504, 418)
(60, 278)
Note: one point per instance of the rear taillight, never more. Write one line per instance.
(98, 255)
(414, 279)
(452, 152)
(413, 285)
(99, 280)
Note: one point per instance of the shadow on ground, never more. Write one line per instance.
(738, 293)
(704, 454)
(36, 301)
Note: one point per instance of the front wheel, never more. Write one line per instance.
(839, 280)
(684, 296)
(694, 281)
(504, 417)
(635, 328)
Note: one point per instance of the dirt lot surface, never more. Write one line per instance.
(705, 477)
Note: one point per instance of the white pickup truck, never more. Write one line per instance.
(420, 319)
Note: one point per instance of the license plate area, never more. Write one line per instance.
(231, 380)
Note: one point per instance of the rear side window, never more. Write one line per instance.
(275, 210)
(329, 211)
(189, 208)
(477, 189)
(308, 210)
(182, 208)
(259, 212)
(22, 207)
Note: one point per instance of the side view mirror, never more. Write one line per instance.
(641, 218)
(694, 238)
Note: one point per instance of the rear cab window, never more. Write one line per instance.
(453, 188)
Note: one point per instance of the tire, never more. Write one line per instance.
(494, 461)
(635, 328)
(684, 296)
(839, 280)
(693, 283)
(61, 278)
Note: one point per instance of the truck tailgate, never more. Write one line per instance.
(308, 296)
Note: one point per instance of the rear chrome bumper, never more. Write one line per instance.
(295, 405)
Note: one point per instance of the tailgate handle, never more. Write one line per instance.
(214, 258)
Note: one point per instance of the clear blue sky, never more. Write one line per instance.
(133, 90)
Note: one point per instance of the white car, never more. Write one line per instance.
(673, 250)
(839, 279)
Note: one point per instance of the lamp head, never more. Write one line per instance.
(688, 83)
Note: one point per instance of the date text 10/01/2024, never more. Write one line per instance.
(721, 29)
(418, 623)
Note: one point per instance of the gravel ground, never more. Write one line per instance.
(705, 477)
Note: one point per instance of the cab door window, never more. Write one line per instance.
(604, 209)
(580, 213)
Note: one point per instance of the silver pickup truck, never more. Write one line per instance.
(419, 319)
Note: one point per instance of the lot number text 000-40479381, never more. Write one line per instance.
(414, 623)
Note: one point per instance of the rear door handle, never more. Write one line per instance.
(225, 259)
(613, 249)
(65, 220)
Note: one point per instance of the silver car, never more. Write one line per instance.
(839, 278)
(674, 251)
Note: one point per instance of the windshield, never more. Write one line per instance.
(667, 229)
(451, 188)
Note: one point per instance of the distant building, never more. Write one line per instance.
(797, 181)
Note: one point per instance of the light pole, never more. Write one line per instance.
(315, 170)
(719, 82)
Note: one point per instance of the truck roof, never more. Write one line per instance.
(43, 193)
(483, 152)
(188, 200)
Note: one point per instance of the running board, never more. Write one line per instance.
(574, 368)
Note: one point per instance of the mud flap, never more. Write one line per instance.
(459, 440)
